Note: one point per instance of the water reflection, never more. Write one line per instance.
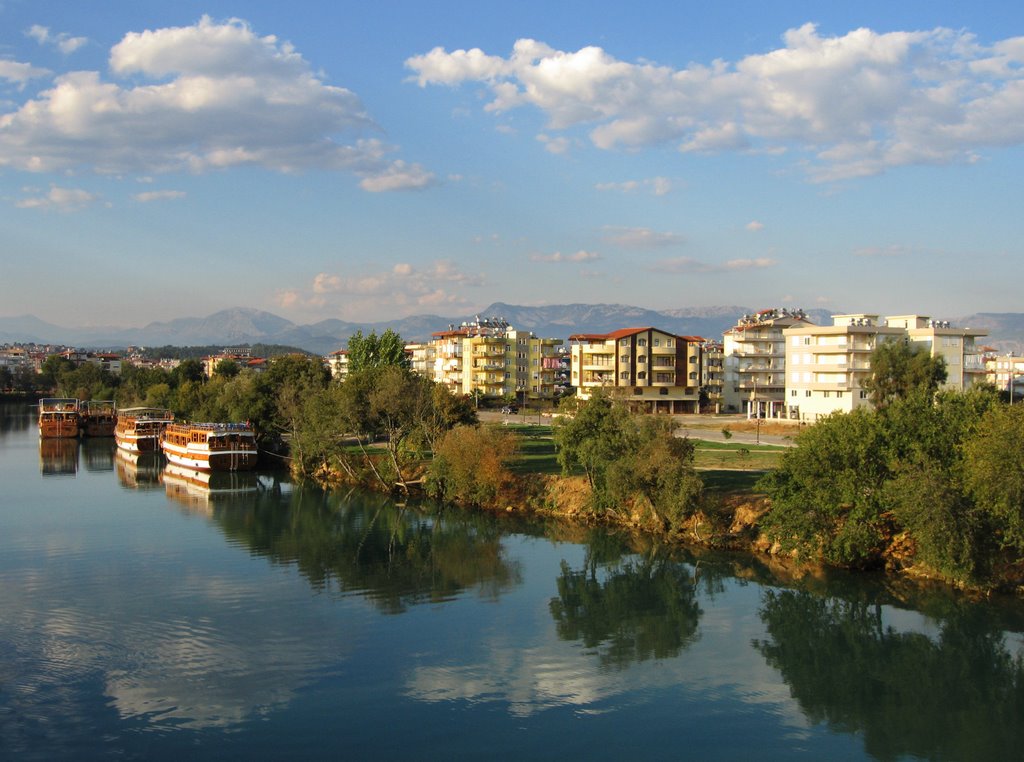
(98, 453)
(201, 491)
(395, 556)
(138, 470)
(643, 608)
(955, 694)
(58, 456)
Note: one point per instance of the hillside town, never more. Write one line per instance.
(773, 364)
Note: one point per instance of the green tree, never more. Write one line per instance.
(471, 465)
(374, 351)
(994, 470)
(227, 369)
(629, 459)
(827, 493)
(898, 368)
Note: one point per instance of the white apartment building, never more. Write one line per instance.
(754, 363)
(826, 366)
(656, 370)
(1006, 373)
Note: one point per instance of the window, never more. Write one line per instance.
(641, 375)
(624, 343)
(624, 376)
(670, 342)
(826, 395)
(863, 394)
(624, 358)
(792, 393)
(656, 342)
(807, 393)
(693, 360)
(642, 358)
(693, 376)
(839, 394)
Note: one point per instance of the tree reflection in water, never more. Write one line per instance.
(369, 545)
(959, 695)
(631, 611)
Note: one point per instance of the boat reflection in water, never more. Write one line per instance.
(58, 456)
(138, 470)
(98, 453)
(202, 491)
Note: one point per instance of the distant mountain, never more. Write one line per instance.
(240, 325)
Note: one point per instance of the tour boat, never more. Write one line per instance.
(98, 418)
(210, 446)
(58, 417)
(138, 429)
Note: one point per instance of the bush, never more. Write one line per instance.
(470, 466)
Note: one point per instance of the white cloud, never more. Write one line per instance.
(845, 106)
(63, 41)
(367, 293)
(162, 195)
(657, 186)
(690, 265)
(213, 95)
(641, 238)
(63, 199)
(398, 176)
(754, 226)
(749, 264)
(20, 73)
(579, 256)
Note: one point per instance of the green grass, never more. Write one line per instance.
(723, 463)
(736, 455)
(730, 480)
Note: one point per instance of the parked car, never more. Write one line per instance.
(510, 410)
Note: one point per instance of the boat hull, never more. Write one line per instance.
(210, 446)
(202, 460)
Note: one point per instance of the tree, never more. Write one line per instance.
(827, 493)
(899, 368)
(374, 351)
(227, 369)
(994, 470)
(470, 465)
(630, 459)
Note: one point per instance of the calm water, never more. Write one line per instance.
(146, 617)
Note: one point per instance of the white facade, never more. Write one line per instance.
(826, 366)
(754, 364)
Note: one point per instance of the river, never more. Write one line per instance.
(144, 615)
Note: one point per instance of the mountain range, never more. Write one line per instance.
(239, 325)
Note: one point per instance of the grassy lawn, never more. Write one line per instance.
(723, 465)
(730, 480)
(726, 455)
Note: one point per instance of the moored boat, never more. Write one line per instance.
(97, 418)
(138, 429)
(210, 446)
(58, 417)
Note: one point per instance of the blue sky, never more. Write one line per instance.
(366, 161)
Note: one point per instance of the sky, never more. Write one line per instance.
(370, 161)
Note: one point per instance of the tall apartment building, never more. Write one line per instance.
(656, 370)
(493, 359)
(712, 376)
(754, 380)
(826, 366)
